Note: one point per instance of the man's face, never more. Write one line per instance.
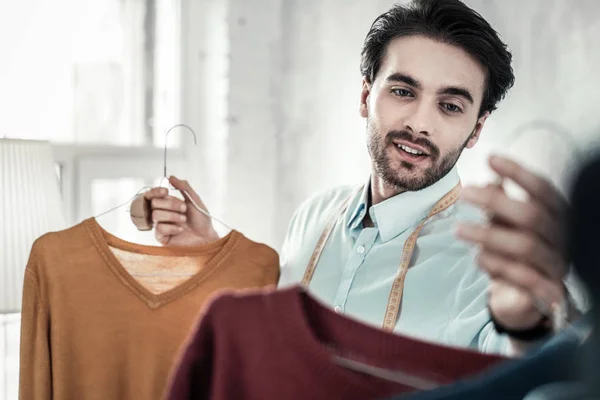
(425, 100)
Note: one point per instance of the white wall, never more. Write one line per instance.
(292, 88)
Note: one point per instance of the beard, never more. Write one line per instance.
(403, 175)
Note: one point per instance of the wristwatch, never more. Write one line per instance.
(543, 328)
(555, 318)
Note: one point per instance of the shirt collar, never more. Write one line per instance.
(396, 214)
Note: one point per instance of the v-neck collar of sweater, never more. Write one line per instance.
(103, 240)
(306, 326)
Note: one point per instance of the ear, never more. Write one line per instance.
(364, 98)
(477, 131)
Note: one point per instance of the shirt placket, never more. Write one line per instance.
(360, 250)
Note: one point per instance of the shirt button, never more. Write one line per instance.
(338, 309)
(360, 249)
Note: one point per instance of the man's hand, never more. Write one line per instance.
(523, 248)
(177, 222)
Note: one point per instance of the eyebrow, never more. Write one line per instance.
(450, 90)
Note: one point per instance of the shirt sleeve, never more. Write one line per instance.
(35, 375)
(472, 315)
(491, 341)
(471, 318)
(290, 240)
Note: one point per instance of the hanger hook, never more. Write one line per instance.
(166, 141)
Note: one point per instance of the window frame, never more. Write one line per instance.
(80, 165)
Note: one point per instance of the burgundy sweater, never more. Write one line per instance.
(279, 344)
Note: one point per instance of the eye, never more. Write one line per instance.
(401, 92)
(451, 108)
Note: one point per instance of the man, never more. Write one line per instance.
(433, 71)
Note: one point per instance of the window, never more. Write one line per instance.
(89, 71)
(100, 80)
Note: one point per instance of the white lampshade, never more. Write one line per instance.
(30, 206)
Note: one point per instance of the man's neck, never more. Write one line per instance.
(378, 193)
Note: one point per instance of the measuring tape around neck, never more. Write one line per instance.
(395, 297)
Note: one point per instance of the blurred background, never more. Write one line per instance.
(271, 87)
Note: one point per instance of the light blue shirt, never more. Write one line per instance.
(444, 297)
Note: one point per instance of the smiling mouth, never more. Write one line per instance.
(410, 154)
(411, 150)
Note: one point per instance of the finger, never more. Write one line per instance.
(168, 203)
(161, 216)
(538, 188)
(164, 229)
(515, 245)
(155, 193)
(183, 185)
(520, 275)
(522, 214)
(186, 190)
(162, 239)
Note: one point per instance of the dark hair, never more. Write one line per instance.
(448, 21)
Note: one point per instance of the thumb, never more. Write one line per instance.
(180, 184)
(183, 185)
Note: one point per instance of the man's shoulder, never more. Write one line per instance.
(326, 201)
(467, 213)
(312, 215)
(305, 228)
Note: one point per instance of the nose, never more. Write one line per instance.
(421, 119)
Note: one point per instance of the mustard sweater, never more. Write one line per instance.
(95, 327)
